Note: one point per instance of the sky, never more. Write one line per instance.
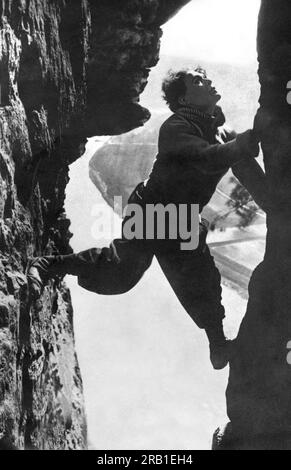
(217, 30)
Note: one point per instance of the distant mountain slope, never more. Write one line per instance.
(125, 160)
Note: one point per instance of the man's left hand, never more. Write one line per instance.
(249, 143)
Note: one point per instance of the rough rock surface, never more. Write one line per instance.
(258, 393)
(68, 70)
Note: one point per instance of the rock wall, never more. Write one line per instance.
(69, 69)
(258, 393)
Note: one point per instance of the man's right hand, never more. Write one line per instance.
(248, 144)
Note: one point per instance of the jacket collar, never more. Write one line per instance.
(207, 123)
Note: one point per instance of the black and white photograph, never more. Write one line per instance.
(145, 208)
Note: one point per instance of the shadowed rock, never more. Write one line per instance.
(258, 392)
(68, 70)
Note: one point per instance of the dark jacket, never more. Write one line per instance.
(193, 156)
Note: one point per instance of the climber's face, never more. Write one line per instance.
(199, 91)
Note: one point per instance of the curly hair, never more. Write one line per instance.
(173, 86)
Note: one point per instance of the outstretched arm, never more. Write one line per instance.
(179, 139)
(252, 177)
(249, 172)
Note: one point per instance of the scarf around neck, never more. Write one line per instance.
(206, 122)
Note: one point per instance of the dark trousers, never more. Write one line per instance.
(118, 268)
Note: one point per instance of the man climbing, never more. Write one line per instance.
(195, 151)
